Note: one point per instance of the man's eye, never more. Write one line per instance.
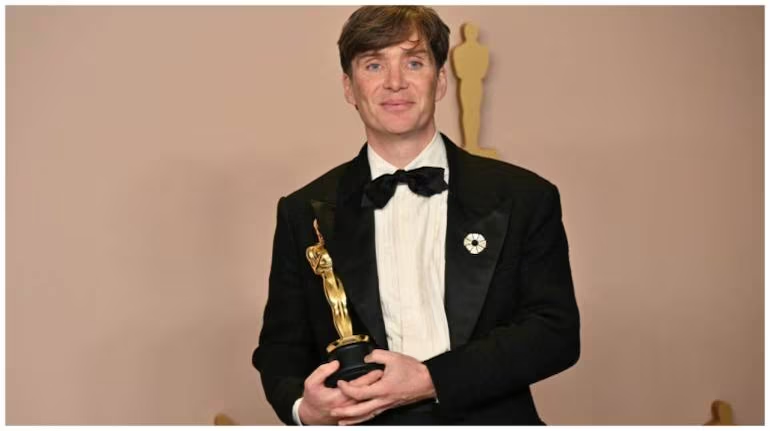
(415, 64)
(373, 67)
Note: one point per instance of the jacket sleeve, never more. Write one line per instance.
(543, 337)
(285, 355)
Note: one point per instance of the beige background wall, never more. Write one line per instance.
(147, 147)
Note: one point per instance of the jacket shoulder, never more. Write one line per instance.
(323, 188)
(505, 178)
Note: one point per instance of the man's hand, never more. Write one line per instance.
(406, 380)
(318, 400)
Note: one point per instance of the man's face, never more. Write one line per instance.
(396, 89)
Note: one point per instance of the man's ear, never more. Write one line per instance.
(347, 86)
(441, 83)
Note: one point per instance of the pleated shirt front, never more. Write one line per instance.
(410, 236)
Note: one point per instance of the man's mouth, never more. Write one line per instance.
(397, 105)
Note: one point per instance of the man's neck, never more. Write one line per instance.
(399, 151)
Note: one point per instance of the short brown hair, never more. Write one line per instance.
(371, 28)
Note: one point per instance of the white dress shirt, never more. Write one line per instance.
(410, 234)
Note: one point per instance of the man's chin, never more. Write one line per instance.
(402, 130)
(399, 130)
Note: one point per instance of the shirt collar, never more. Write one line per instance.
(433, 155)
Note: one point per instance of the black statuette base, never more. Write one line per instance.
(352, 365)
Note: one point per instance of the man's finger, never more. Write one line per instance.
(361, 393)
(321, 373)
(360, 410)
(379, 356)
(367, 379)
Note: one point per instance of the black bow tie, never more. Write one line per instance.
(425, 181)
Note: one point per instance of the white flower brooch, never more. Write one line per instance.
(475, 243)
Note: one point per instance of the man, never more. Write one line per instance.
(466, 291)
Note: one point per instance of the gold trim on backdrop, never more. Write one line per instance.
(721, 413)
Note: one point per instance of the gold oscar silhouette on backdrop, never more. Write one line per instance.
(470, 61)
(349, 349)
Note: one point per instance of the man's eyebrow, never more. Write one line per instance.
(378, 53)
(369, 54)
(416, 51)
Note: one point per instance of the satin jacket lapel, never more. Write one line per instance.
(352, 248)
(471, 209)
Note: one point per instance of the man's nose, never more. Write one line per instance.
(395, 80)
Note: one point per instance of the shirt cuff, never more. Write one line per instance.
(295, 411)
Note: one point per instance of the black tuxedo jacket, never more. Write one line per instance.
(511, 309)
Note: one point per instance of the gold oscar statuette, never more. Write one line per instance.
(349, 349)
